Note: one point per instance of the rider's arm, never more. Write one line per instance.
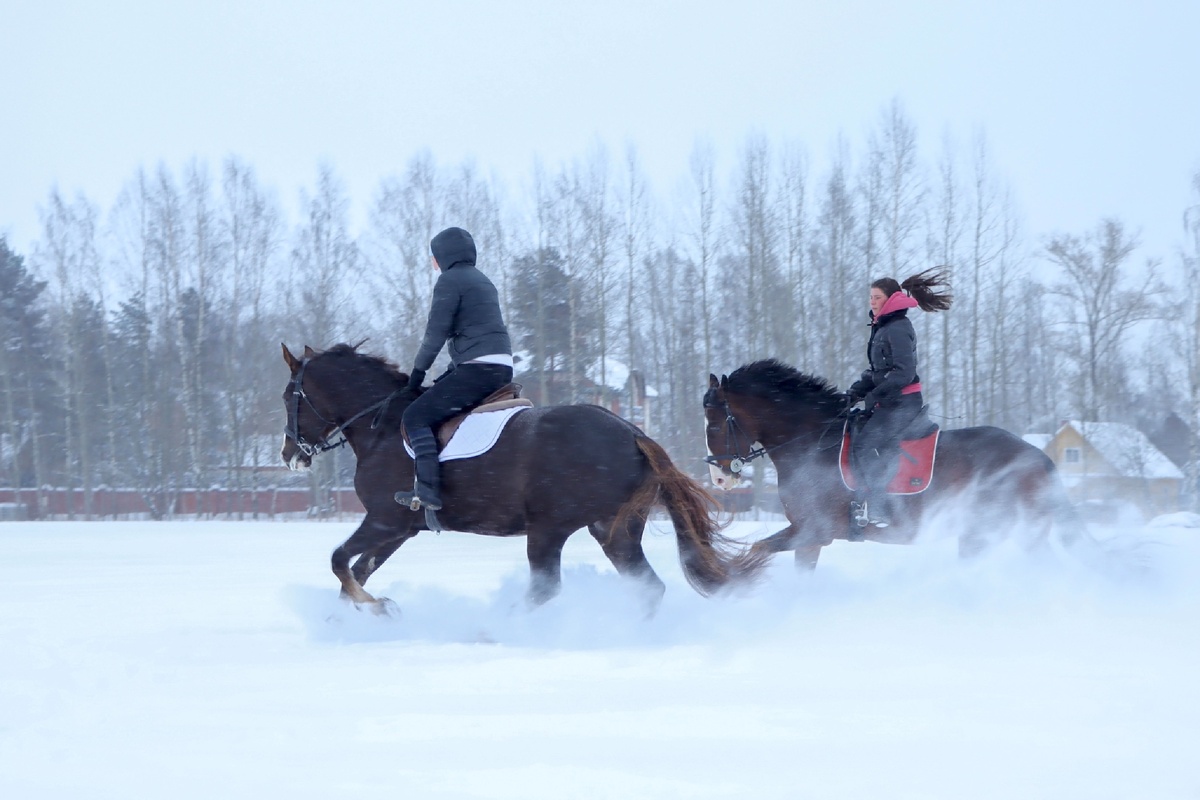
(441, 321)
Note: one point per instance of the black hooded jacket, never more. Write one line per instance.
(465, 308)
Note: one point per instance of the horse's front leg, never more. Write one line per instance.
(374, 531)
(373, 558)
(806, 557)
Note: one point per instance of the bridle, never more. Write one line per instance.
(292, 426)
(734, 433)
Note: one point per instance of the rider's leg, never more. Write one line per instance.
(881, 459)
(452, 394)
(869, 442)
(426, 467)
(873, 468)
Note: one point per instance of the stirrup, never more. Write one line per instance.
(861, 512)
(414, 502)
(409, 499)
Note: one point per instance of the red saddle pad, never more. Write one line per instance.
(916, 464)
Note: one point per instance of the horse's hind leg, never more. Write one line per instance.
(623, 546)
(365, 537)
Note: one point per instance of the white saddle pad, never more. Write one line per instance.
(476, 435)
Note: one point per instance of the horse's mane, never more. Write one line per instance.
(775, 380)
(344, 352)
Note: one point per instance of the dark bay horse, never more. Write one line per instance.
(986, 479)
(553, 471)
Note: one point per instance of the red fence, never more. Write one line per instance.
(115, 503)
(49, 502)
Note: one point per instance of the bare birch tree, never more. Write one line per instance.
(395, 253)
(793, 200)
(1102, 307)
(1190, 319)
(635, 235)
(250, 226)
(325, 281)
(704, 235)
(838, 276)
(595, 203)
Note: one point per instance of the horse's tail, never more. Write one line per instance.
(710, 560)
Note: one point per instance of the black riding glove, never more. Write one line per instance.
(416, 378)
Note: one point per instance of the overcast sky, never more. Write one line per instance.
(1091, 107)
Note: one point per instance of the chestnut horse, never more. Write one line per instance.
(995, 479)
(551, 472)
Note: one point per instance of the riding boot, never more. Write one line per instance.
(428, 471)
(877, 474)
(877, 507)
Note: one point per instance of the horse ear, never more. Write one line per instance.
(309, 352)
(724, 381)
(713, 383)
(289, 359)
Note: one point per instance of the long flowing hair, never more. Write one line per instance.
(929, 288)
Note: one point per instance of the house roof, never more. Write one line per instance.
(1126, 449)
(616, 373)
(1038, 440)
(616, 376)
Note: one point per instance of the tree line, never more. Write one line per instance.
(142, 340)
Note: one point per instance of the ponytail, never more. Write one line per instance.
(923, 287)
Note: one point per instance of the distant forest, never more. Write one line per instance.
(142, 341)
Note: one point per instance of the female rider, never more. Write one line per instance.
(465, 311)
(889, 391)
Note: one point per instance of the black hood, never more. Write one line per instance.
(453, 246)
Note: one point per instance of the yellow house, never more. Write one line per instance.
(1105, 461)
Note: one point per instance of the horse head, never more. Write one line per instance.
(332, 392)
(729, 443)
(305, 425)
(757, 407)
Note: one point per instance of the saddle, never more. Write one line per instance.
(508, 396)
(917, 452)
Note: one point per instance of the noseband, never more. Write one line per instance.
(292, 426)
(734, 434)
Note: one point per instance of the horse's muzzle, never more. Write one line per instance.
(722, 479)
(296, 459)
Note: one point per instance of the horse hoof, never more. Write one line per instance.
(381, 607)
(384, 607)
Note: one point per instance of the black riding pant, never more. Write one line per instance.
(461, 388)
(875, 444)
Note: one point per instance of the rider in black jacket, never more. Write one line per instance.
(466, 313)
(889, 390)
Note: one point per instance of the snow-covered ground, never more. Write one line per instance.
(212, 659)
